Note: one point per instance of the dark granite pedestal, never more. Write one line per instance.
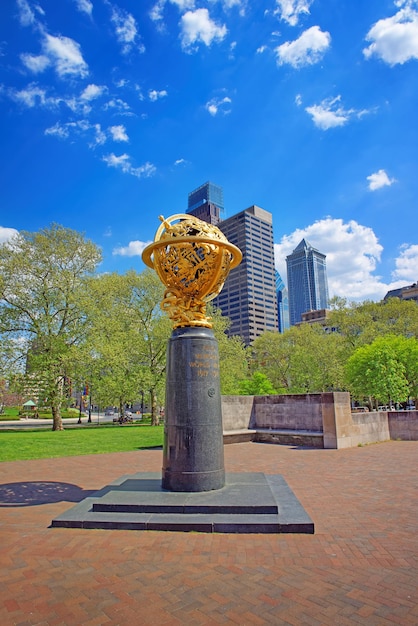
(248, 503)
(193, 456)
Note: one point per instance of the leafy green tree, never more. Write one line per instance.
(360, 324)
(233, 355)
(378, 370)
(315, 360)
(257, 385)
(42, 280)
(271, 354)
(303, 359)
(406, 350)
(128, 338)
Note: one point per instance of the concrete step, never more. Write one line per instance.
(249, 503)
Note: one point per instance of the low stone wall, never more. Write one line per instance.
(403, 425)
(364, 428)
(238, 412)
(295, 412)
(318, 419)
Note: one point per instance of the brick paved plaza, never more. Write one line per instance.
(360, 566)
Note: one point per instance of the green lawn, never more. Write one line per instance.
(14, 413)
(42, 444)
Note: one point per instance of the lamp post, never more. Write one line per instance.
(79, 413)
(89, 418)
(142, 403)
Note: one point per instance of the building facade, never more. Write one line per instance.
(206, 203)
(410, 292)
(282, 303)
(248, 297)
(249, 294)
(306, 281)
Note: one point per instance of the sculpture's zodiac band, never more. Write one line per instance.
(192, 259)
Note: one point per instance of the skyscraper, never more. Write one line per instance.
(282, 303)
(249, 294)
(248, 297)
(306, 281)
(206, 203)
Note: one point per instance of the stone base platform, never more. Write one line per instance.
(249, 503)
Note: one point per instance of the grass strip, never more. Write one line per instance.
(45, 444)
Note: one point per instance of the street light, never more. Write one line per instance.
(142, 404)
(79, 413)
(89, 419)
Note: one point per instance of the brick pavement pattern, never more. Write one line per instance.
(360, 567)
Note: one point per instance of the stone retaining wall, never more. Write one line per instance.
(403, 425)
(318, 419)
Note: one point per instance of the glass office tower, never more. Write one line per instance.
(206, 203)
(249, 294)
(282, 303)
(306, 281)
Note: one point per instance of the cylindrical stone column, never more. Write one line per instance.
(193, 458)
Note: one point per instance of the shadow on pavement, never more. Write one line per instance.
(38, 492)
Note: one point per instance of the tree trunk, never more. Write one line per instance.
(155, 418)
(56, 418)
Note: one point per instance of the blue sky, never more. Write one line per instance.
(112, 111)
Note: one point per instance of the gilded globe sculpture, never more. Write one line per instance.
(192, 259)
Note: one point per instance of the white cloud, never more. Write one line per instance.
(289, 10)
(154, 95)
(92, 91)
(229, 4)
(7, 233)
(119, 133)
(35, 63)
(134, 248)
(308, 49)
(119, 105)
(219, 105)
(126, 30)
(379, 179)
(93, 133)
(123, 162)
(99, 137)
(197, 26)
(33, 95)
(156, 13)
(330, 113)
(407, 264)
(65, 53)
(58, 130)
(352, 256)
(85, 6)
(26, 15)
(298, 99)
(180, 162)
(183, 5)
(395, 39)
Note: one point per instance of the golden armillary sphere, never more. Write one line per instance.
(192, 259)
